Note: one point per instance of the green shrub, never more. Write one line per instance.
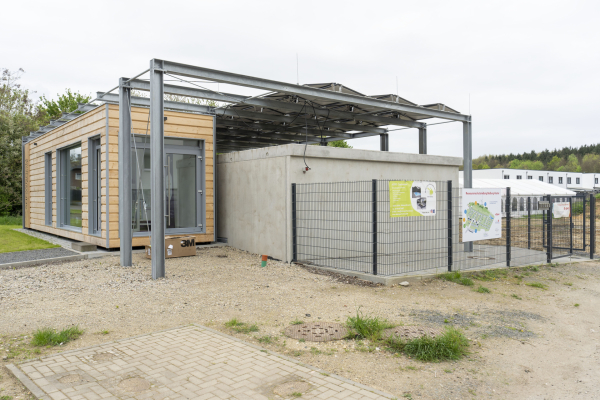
(50, 337)
(451, 345)
(11, 220)
(241, 327)
(482, 289)
(367, 327)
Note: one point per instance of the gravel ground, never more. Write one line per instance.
(17, 256)
(516, 342)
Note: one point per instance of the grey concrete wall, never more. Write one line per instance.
(254, 191)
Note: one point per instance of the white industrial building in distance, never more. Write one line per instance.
(575, 181)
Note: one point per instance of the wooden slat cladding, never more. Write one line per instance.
(79, 130)
(94, 124)
(27, 188)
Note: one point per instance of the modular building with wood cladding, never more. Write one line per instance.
(71, 185)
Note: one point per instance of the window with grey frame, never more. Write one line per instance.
(184, 183)
(48, 188)
(94, 187)
(70, 188)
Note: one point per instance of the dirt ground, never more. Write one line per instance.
(526, 342)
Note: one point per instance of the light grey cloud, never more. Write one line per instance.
(529, 67)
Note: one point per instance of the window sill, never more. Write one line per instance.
(70, 228)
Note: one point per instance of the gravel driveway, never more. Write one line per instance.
(514, 341)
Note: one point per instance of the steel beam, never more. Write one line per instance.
(275, 86)
(423, 140)
(467, 166)
(157, 141)
(172, 105)
(292, 138)
(384, 142)
(125, 235)
(274, 104)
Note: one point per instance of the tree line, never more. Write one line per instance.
(585, 158)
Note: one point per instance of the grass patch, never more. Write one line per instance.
(456, 277)
(576, 304)
(482, 289)
(6, 397)
(50, 337)
(367, 327)
(490, 275)
(11, 240)
(568, 283)
(268, 339)
(11, 220)
(297, 322)
(451, 345)
(241, 327)
(537, 285)
(296, 394)
(516, 297)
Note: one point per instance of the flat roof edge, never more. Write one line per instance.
(297, 150)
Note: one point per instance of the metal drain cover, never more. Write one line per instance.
(411, 332)
(317, 331)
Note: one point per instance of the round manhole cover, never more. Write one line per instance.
(411, 332)
(292, 388)
(103, 357)
(317, 331)
(134, 385)
(71, 378)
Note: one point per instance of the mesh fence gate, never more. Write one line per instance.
(347, 225)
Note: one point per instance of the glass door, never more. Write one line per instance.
(184, 186)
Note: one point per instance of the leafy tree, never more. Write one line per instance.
(19, 115)
(572, 164)
(554, 164)
(591, 163)
(66, 103)
(340, 143)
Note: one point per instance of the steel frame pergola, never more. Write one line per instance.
(288, 113)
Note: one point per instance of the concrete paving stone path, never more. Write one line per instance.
(192, 362)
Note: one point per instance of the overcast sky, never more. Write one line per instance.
(530, 68)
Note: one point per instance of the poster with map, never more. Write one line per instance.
(481, 215)
(412, 199)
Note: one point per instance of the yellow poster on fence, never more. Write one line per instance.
(412, 199)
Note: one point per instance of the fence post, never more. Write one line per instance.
(584, 222)
(374, 208)
(571, 224)
(549, 240)
(529, 222)
(592, 226)
(449, 226)
(508, 210)
(294, 235)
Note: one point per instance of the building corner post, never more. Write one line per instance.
(125, 235)
(157, 140)
(468, 165)
(384, 142)
(423, 140)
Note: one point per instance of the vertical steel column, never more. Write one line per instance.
(549, 235)
(294, 234)
(529, 222)
(508, 238)
(584, 222)
(157, 141)
(467, 165)
(374, 210)
(571, 224)
(423, 140)
(592, 226)
(125, 235)
(384, 142)
(450, 226)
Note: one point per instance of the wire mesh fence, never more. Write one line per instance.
(349, 226)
